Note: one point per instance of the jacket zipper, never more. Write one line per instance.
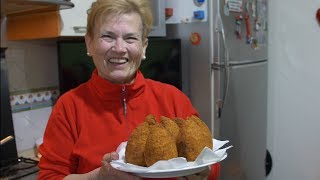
(124, 102)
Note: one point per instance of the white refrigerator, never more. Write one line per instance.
(224, 62)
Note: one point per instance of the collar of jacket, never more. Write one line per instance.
(110, 91)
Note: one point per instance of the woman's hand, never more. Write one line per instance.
(203, 175)
(106, 171)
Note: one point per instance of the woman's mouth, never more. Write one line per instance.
(117, 60)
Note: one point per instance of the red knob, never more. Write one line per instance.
(168, 12)
(318, 15)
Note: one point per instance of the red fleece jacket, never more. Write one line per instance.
(94, 118)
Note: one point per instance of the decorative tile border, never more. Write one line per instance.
(33, 99)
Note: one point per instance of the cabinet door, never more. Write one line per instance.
(33, 26)
(159, 21)
(74, 21)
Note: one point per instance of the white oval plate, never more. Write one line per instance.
(175, 167)
(174, 172)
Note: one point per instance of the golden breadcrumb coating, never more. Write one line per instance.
(194, 136)
(160, 145)
(170, 126)
(136, 143)
(150, 119)
(205, 131)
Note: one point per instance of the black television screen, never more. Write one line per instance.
(163, 62)
(75, 67)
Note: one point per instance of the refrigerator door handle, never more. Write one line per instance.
(220, 30)
(222, 83)
(219, 105)
(221, 64)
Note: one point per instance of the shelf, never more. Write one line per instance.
(20, 7)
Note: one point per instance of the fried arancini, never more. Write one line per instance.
(193, 137)
(160, 145)
(152, 141)
(150, 119)
(134, 153)
(179, 121)
(205, 131)
(170, 126)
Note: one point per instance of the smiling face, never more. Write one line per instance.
(117, 47)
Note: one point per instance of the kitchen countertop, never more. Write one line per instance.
(26, 168)
(29, 153)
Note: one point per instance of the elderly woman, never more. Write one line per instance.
(89, 122)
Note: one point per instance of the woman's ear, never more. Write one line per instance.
(145, 45)
(88, 40)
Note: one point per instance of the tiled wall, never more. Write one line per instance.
(32, 64)
(29, 126)
(33, 84)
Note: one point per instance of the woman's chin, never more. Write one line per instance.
(120, 78)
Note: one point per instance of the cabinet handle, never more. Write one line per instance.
(80, 29)
(5, 140)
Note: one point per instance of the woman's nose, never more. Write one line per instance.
(119, 46)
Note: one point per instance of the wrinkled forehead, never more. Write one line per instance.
(113, 17)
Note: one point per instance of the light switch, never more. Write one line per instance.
(198, 14)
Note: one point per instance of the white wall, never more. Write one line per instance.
(30, 126)
(294, 90)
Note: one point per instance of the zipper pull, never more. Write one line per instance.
(124, 102)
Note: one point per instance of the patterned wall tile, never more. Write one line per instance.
(33, 99)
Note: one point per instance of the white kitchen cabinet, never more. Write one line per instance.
(52, 24)
(74, 21)
(69, 22)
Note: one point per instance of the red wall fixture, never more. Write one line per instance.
(318, 15)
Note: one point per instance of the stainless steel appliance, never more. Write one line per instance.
(226, 78)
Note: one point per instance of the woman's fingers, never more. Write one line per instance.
(203, 175)
(108, 171)
(110, 156)
(205, 172)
